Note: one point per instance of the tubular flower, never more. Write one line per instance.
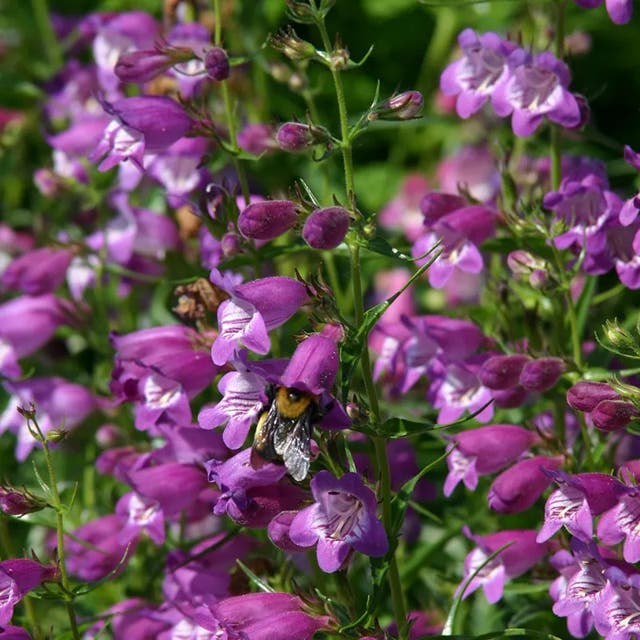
(343, 517)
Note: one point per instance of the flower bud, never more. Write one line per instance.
(619, 337)
(142, 66)
(295, 136)
(268, 219)
(230, 244)
(403, 106)
(326, 228)
(502, 372)
(585, 395)
(436, 204)
(16, 502)
(522, 263)
(612, 415)
(292, 46)
(517, 488)
(541, 374)
(56, 435)
(216, 62)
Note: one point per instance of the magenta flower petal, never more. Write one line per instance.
(313, 366)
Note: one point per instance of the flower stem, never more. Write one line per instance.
(345, 139)
(56, 503)
(382, 462)
(229, 111)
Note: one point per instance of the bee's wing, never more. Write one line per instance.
(262, 448)
(292, 440)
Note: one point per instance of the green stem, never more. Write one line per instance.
(56, 503)
(345, 138)
(382, 462)
(229, 111)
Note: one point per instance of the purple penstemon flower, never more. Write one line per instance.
(536, 87)
(577, 500)
(622, 522)
(160, 369)
(456, 388)
(484, 450)
(588, 209)
(521, 552)
(59, 405)
(253, 309)
(461, 232)
(579, 587)
(252, 497)
(140, 125)
(476, 76)
(28, 322)
(343, 517)
(17, 577)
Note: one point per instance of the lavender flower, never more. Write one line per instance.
(17, 577)
(518, 488)
(343, 517)
(140, 125)
(621, 522)
(252, 497)
(482, 451)
(59, 404)
(276, 616)
(577, 500)
(479, 73)
(518, 557)
(254, 308)
(27, 324)
(37, 272)
(160, 369)
(536, 87)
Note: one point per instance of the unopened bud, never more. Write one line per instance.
(612, 415)
(19, 502)
(403, 106)
(522, 263)
(435, 204)
(340, 59)
(56, 435)
(267, 220)
(585, 395)
(295, 136)
(618, 337)
(326, 228)
(143, 66)
(502, 372)
(301, 12)
(292, 46)
(230, 244)
(541, 374)
(216, 62)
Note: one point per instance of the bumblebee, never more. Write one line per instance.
(284, 430)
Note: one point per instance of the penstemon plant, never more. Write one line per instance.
(265, 310)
